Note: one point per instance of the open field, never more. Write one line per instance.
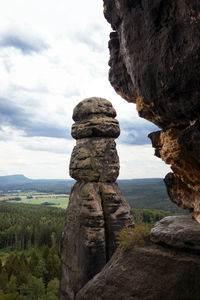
(55, 200)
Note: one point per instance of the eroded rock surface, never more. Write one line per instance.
(169, 269)
(97, 210)
(154, 62)
(177, 231)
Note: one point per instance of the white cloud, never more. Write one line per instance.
(53, 54)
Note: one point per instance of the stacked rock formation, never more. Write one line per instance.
(97, 210)
(154, 62)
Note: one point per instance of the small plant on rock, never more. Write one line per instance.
(134, 236)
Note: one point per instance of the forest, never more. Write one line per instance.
(31, 234)
(30, 241)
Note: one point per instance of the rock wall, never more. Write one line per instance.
(167, 267)
(97, 210)
(154, 62)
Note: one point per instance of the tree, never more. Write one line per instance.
(53, 289)
(1, 266)
(33, 263)
(3, 279)
(12, 285)
(33, 289)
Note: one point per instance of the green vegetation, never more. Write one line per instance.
(31, 224)
(134, 236)
(30, 278)
(148, 196)
(150, 216)
(30, 242)
(56, 200)
(23, 226)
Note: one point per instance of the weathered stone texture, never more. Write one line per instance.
(93, 106)
(154, 62)
(177, 231)
(97, 210)
(90, 158)
(160, 51)
(170, 270)
(97, 126)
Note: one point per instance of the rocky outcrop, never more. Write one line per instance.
(97, 210)
(178, 232)
(154, 62)
(168, 267)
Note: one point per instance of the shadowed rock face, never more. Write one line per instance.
(154, 62)
(167, 268)
(97, 210)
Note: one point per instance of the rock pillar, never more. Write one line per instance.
(97, 210)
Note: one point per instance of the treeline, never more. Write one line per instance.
(45, 186)
(149, 216)
(148, 196)
(35, 277)
(24, 226)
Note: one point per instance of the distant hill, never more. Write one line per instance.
(142, 193)
(139, 181)
(20, 182)
(14, 179)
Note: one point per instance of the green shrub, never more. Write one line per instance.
(134, 236)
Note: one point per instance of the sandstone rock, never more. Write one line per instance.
(185, 167)
(178, 232)
(97, 210)
(97, 126)
(152, 272)
(95, 160)
(183, 186)
(83, 252)
(154, 62)
(183, 196)
(189, 139)
(159, 51)
(93, 106)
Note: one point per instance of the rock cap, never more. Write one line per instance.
(93, 106)
(94, 117)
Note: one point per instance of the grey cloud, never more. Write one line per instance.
(136, 133)
(91, 37)
(22, 118)
(59, 150)
(87, 40)
(26, 44)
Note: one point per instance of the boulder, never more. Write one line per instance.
(177, 231)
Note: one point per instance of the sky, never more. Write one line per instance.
(54, 54)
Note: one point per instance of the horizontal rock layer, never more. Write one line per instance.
(96, 126)
(95, 159)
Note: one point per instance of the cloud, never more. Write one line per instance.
(89, 41)
(26, 42)
(22, 118)
(136, 133)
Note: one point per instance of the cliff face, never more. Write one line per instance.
(154, 62)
